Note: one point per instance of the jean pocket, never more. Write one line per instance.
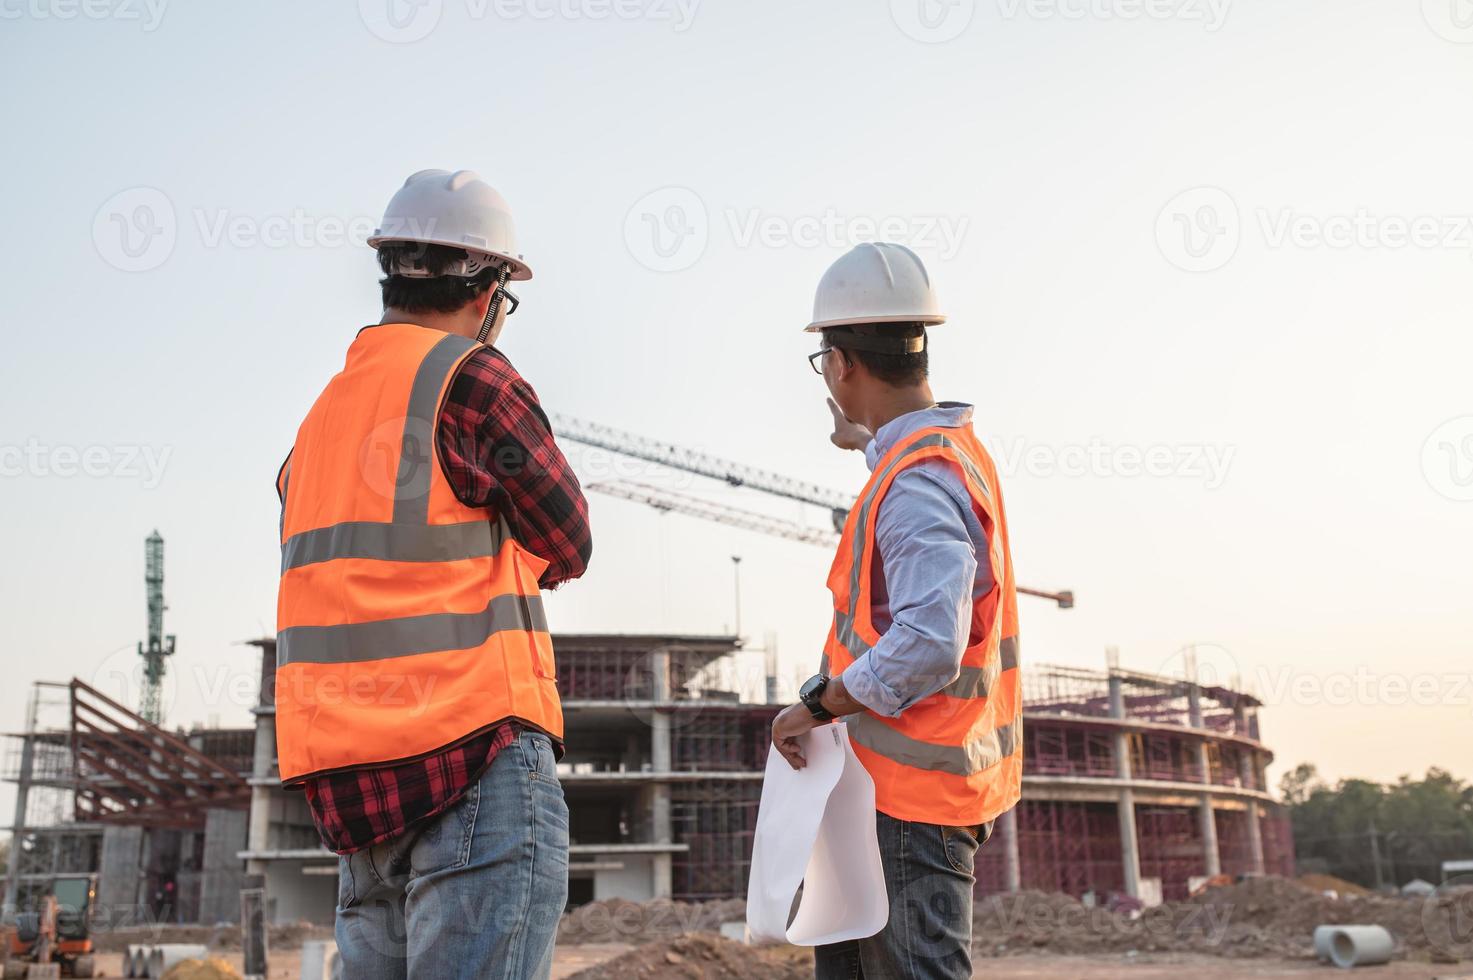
(346, 896)
(444, 842)
(960, 845)
(537, 755)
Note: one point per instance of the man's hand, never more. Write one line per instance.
(790, 723)
(847, 434)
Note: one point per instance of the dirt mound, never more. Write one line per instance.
(210, 969)
(621, 921)
(1266, 916)
(701, 956)
(1340, 886)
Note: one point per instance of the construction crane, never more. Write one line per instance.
(158, 645)
(734, 474)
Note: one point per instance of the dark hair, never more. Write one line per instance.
(895, 370)
(440, 294)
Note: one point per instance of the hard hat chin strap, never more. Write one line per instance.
(494, 306)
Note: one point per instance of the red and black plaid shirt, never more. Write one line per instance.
(498, 451)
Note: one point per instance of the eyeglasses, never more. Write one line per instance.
(813, 359)
(511, 301)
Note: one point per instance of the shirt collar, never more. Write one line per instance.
(946, 415)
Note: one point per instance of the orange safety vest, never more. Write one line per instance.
(406, 621)
(956, 757)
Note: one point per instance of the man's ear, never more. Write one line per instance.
(844, 364)
(482, 303)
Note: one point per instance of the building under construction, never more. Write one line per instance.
(1134, 785)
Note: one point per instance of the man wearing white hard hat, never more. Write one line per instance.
(425, 505)
(921, 661)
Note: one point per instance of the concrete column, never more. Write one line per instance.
(1007, 828)
(1130, 856)
(1211, 858)
(662, 831)
(1255, 838)
(1211, 855)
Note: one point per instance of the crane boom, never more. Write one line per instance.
(703, 464)
(734, 474)
(671, 501)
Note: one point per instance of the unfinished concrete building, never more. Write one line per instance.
(1135, 784)
(157, 815)
(662, 776)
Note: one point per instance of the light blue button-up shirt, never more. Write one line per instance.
(928, 573)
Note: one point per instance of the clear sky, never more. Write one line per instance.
(1209, 266)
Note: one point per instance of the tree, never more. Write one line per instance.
(1371, 833)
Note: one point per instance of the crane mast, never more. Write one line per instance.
(158, 646)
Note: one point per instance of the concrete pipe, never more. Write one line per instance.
(164, 957)
(1360, 946)
(1322, 936)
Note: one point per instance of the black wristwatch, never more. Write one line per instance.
(810, 694)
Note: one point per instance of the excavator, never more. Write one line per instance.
(56, 939)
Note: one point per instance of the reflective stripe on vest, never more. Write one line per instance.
(942, 760)
(407, 620)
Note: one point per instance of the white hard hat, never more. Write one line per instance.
(458, 209)
(875, 282)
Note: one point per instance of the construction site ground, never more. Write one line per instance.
(573, 960)
(1255, 928)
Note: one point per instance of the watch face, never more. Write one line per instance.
(812, 687)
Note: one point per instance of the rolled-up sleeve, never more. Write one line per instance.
(930, 567)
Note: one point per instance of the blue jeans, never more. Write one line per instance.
(928, 873)
(475, 892)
